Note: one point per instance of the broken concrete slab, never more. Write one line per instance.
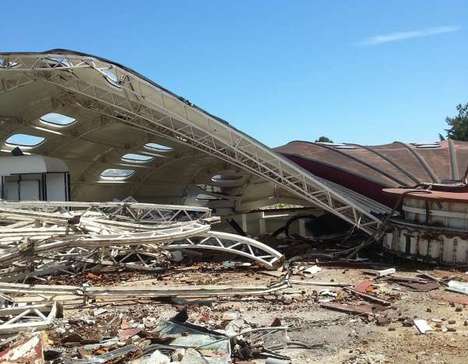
(457, 286)
(422, 326)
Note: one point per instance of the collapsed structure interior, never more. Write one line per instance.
(121, 135)
(104, 171)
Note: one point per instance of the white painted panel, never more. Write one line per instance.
(244, 223)
(388, 240)
(11, 191)
(56, 187)
(29, 190)
(402, 242)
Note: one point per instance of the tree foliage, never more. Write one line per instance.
(458, 124)
(323, 139)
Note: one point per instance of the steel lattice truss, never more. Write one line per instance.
(231, 243)
(42, 238)
(128, 98)
(32, 240)
(133, 212)
(27, 317)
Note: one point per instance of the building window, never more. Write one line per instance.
(117, 174)
(137, 158)
(24, 140)
(158, 148)
(56, 119)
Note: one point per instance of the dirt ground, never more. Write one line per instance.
(387, 336)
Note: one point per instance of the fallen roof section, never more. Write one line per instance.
(116, 108)
(369, 169)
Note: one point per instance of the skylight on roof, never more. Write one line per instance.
(158, 147)
(344, 146)
(337, 145)
(5, 63)
(57, 119)
(225, 177)
(110, 75)
(427, 145)
(117, 173)
(24, 140)
(137, 158)
(57, 62)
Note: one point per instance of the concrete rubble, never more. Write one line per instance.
(117, 283)
(319, 252)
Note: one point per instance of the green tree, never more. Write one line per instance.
(458, 124)
(324, 139)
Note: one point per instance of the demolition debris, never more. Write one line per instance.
(100, 283)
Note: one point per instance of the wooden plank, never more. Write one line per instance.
(369, 297)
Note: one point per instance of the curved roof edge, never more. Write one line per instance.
(31, 164)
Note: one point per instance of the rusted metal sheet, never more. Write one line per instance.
(368, 169)
(27, 349)
(364, 309)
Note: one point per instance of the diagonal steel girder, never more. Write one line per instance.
(129, 98)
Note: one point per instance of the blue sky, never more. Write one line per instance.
(366, 72)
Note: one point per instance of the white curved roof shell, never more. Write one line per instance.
(118, 111)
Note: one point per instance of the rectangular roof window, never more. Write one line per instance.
(57, 119)
(117, 173)
(24, 140)
(137, 158)
(158, 147)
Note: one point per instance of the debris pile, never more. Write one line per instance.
(95, 283)
(38, 239)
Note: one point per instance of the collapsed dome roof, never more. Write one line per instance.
(369, 169)
(104, 121)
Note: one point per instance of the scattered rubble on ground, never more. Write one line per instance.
(70, 293)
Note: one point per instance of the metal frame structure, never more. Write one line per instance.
(79, 260)
(129, 98)
(40, 293)
(231, 244)
(40, 238)
(27, 317)
(119, 211)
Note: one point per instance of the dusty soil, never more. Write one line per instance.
(332, 337)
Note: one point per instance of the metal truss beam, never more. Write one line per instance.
(27, 317)
(39, 238)
(231, 244)
(148, 258)
(121, 211)
(72, 293)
